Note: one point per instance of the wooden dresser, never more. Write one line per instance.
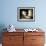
(23, 39)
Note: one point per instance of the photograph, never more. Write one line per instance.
(26, 14)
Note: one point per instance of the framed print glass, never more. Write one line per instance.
(26, 14)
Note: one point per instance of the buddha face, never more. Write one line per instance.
(27, 15)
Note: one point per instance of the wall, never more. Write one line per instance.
(9, 13)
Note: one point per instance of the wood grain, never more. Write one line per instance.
(23, 39)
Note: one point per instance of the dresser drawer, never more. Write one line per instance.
(12, 39)
(34, 33)
(37, 44)
(37, 39)
(13, 44)
(13, 33)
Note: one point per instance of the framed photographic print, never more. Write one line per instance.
(26, 14)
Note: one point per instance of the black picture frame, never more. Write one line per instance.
(26, 14)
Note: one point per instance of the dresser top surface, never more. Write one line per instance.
(22, 30)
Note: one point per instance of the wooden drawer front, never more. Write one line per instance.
(37, 45)
(34, 33)
(13, 33)
(27, 41)
(33, 40)
(16, 41)
(12, 39)
(37, 39)
(20, 44)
